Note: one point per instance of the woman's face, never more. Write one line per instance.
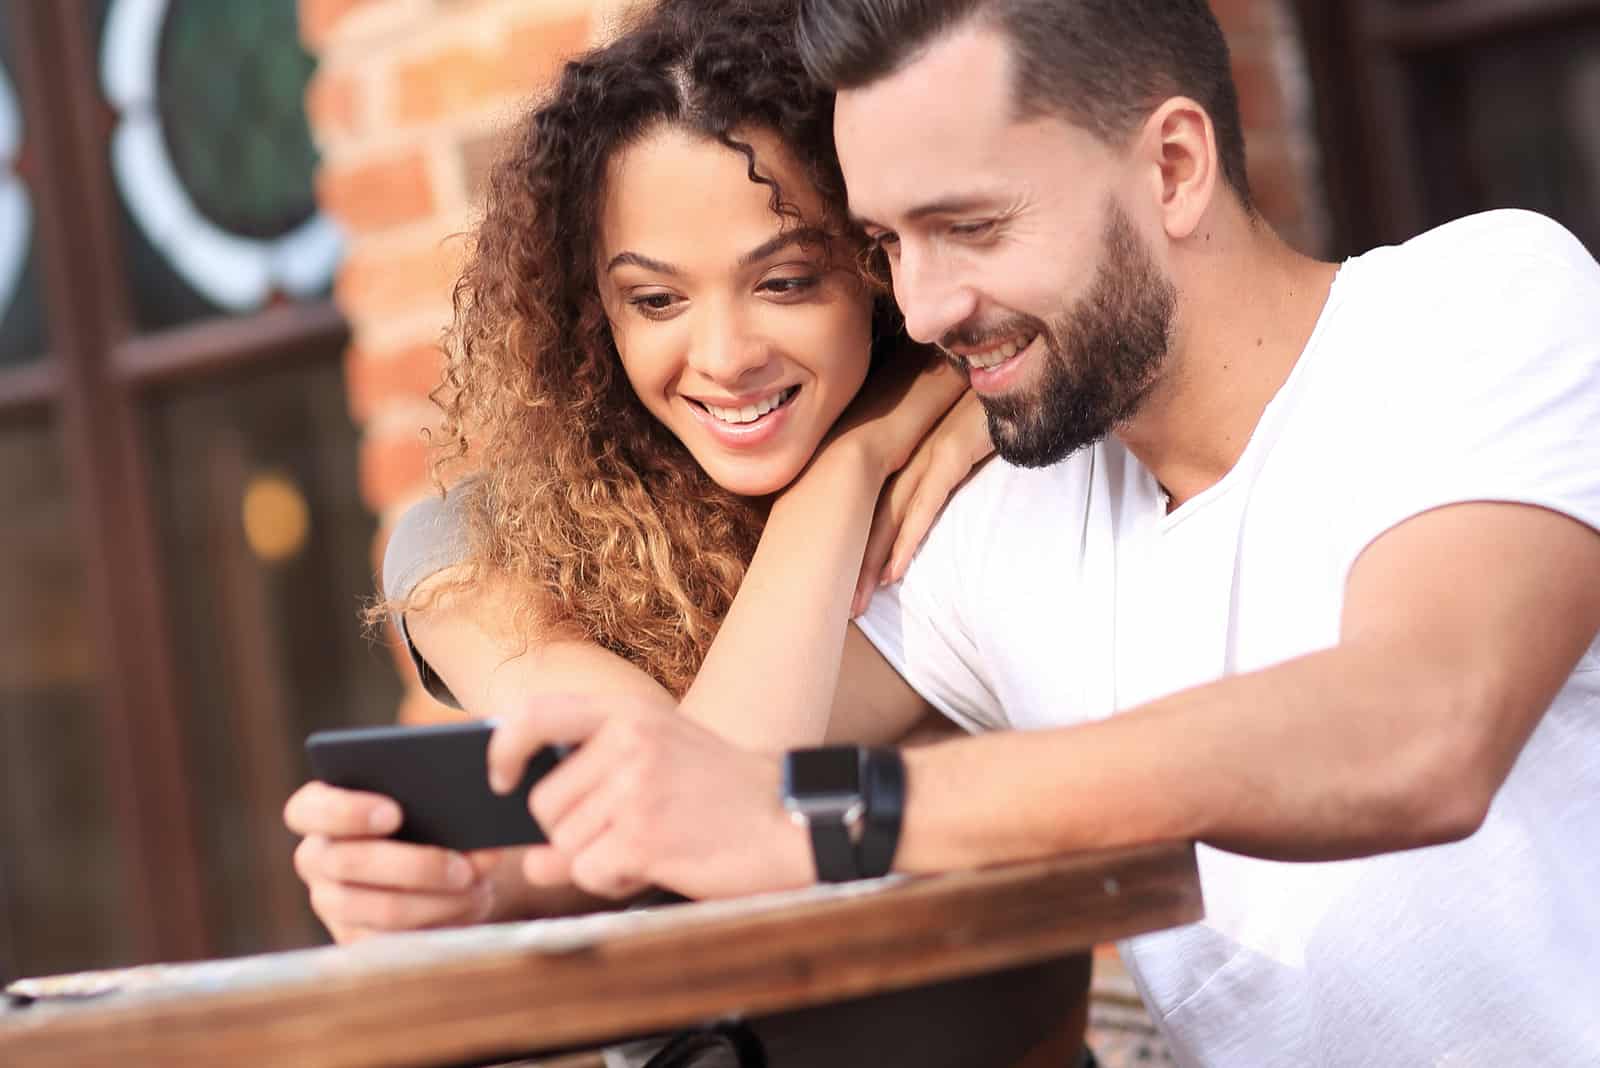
(732, 330)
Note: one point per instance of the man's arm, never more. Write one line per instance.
(1460, 626)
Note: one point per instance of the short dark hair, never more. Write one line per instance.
(1105, 64)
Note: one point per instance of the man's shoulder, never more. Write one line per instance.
(1475, 255)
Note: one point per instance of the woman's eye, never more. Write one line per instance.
(653, 303)
(788, 287)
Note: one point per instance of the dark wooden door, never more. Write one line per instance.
(1434, 109)
(183, 555)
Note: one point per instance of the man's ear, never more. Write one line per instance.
(1180, 145)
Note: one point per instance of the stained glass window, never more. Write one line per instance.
(212, 157)
(22, 328)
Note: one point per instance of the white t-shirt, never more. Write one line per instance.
(1462, 366)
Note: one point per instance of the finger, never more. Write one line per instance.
(317, 808)
(545, 721)
(546, 866)
(587, 820)
(606, 870)
(880, 540)
(384, 864)
(578, 775)
(887, 520)
(484, 861)
(933, 492)
(384, 910)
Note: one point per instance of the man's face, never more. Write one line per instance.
(1008, 245)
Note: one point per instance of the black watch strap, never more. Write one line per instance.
(833, 851)
(884, 791)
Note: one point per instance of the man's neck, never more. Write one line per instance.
(1247, 308)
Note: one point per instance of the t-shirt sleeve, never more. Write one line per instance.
(430, 536)
(1505, 405)
(914, 624)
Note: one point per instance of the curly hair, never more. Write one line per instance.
(605, 526)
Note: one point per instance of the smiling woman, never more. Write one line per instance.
(744, 339)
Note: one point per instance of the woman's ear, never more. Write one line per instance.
(1180, 144)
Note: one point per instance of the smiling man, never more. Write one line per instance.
(1299, 560)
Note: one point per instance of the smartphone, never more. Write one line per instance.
(440, 777)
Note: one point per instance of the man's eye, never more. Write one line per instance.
(970, 230)
(884, 241)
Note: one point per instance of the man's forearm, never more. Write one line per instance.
(1333, 755)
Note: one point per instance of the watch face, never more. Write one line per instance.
(833, 772)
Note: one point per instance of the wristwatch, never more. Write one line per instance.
(851, 799)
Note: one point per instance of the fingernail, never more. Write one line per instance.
(459, 872)
(497, 781)
(384, 818)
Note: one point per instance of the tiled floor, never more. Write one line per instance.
(1121, 1033)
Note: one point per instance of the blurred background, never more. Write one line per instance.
(227, 234)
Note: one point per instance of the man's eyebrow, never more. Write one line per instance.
(951, 205)
(804, 235)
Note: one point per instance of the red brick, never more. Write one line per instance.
(459, 78)
(374, 283)
(333, 104)
(374, 194)
(393, 466)
(319, 18)
(374, 379)
(537, 50)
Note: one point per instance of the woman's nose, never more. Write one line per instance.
(726, 350)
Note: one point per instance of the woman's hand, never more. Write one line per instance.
(900, 404)
(364, 883)
(918, 492)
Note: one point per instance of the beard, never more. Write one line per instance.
(1101, 357)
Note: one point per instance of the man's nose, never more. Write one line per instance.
(726, 349)
(932, 299)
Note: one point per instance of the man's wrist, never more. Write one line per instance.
(922, 840)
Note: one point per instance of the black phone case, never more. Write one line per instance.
(440, 777)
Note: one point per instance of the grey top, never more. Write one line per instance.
(430, 536)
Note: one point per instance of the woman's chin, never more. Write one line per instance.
(754, 479)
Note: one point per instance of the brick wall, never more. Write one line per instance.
(406, 105)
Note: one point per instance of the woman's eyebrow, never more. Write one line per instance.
(804, 235)
(634, 259)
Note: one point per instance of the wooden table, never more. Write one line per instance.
(453, 997)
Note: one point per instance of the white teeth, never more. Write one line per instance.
(751, 412)
(996, 357)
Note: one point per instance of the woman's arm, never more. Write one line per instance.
(786, 663)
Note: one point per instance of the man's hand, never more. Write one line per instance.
(363, 883)
(650, 798)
